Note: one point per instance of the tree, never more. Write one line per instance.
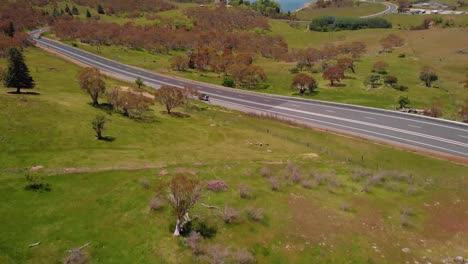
(180, 63)
(428, 75)
(10, 30)
(303, 81)
(17, 74)
(139, 82)
(464, 111)
(132, 103)
(88, 14)
(403, 101)
(402, 5)
(100, 10)
(335, 73)
(228, 81)
(380, 67)
(170, 97)
(248, 76)
(373, 80)
(91, 82)
(391, 41)
(184, 193)
(99, 124)
(465, 83)
(390, 80)
(346, 63)
(75, 11)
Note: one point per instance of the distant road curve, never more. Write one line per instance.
(391, 8)
(438, 137)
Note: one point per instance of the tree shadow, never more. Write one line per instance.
(349, 77)
(176, 114)
(337, 85)
(108, 139)
(25, 93)
(314, 93)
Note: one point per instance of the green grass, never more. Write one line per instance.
(363, 9)
(103, 202)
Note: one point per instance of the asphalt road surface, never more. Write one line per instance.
(391, 8)
(408, 130)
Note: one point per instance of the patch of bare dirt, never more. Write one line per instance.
(447, 216)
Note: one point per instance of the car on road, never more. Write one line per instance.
(204, 97)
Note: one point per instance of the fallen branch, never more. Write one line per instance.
(210, 206)
(34, 244)
(80, 248)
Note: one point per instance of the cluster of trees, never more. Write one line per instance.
(236, 67)
(162, 40)
(380, 77)
(228, 20)
(330, 23)
(14, 19)
(118, 6)
(306, 58)
(130, 102)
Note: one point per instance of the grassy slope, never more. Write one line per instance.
(356, 11)
(109, 208)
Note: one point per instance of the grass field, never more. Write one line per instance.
(363, 9)
(97, 196)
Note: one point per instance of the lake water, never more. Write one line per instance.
(291, 5)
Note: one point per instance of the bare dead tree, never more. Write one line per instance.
(184, 193)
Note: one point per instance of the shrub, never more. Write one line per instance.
(77, 256)
(265, 172)
(156, 204)
(360, 174)
(193, 241)
(245, 191)
(255, 214)
(308, 183)
(390, 80)
(229, 214)
(344, 207)
(401, 55)
(275, 184)
(216, 254)
(145, 183)
(216, 186)
(400, 88)
(243, 256)
(205, 230)
(406, 212)
(228, 81)
(294, 70)
(330, 23)
(292, 173)
(35, 184)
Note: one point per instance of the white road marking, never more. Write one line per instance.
(348, 128)
(268, 101)
(414, 126)
(330, 111)
(310, 113)
(295, 105)
(371, 118)
(462, 136)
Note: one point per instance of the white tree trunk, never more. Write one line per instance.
(177, 228)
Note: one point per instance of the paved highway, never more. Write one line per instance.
(391, 8)
(415, 132)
